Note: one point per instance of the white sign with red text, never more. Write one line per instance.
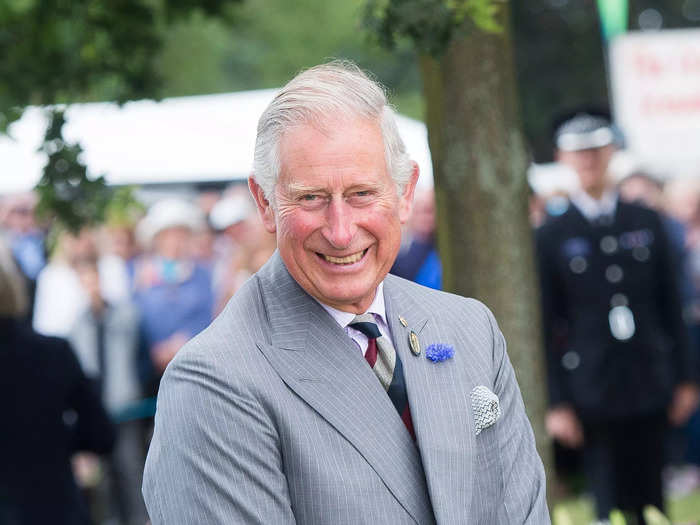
(655, 78)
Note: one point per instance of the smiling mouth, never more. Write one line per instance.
(348, 259)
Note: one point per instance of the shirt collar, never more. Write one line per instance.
(345, 318)
(592, 208)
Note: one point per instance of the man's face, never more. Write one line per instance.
(590, 165)
(338, 215)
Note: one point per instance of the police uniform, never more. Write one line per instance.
(616, 343)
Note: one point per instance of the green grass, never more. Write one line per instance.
(579, 511)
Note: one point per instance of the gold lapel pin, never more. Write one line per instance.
(414, 343)
(403, 322)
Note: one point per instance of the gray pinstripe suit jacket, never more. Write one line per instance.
(271, 415)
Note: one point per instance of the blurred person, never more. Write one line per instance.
(50, 411)
(17, 219)
(106, 340)
(122, 241)
(619, 365)
(207, 199)
(203, 246)
(682, 201)
(418, 260)
(250, 245)
(59, 296)
(171, 289)
(118, 240)
(204, 241)
(645, 189)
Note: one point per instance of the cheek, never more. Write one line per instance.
(296, 226)
(386, 228)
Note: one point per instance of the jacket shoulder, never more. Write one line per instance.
(438, 300)
(231, 336)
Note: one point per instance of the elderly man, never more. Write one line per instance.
(328, 391)
(619, 365)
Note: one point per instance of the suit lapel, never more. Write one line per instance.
(320, 363)
(439, 399)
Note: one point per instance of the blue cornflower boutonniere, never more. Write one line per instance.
(437, 352)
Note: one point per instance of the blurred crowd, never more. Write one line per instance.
(126, 296)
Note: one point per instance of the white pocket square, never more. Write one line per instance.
(486, 408)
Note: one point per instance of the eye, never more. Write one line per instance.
(311, 201)
(360, 197)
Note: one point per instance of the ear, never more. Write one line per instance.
(406, 198)
(267, 214)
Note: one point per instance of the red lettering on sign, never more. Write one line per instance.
(655, 106)
(690, 62)
(647, 65)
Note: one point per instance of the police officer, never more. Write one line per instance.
(617, 354)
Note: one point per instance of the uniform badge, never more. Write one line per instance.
(576, 247)
(621, 321)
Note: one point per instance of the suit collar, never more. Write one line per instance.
(317, 360)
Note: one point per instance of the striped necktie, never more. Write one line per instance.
(386, 364)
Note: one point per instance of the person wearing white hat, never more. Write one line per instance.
(172, 291)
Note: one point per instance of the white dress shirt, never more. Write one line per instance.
(378, 311)
(593, 209)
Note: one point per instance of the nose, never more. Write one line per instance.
(340, 227)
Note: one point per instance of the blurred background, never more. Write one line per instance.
(128, 136)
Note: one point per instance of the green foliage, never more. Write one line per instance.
(65, 191)
(54, 49)
(67, 50)
(654, 516)
(260, 48)
(483, 13)
(579, 511)
(617, 518)
(430, 24)
(58, 50)
(123, 209)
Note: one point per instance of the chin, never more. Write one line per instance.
(350, 297)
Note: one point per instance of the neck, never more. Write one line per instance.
(596, 192)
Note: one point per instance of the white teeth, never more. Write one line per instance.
(349, 259)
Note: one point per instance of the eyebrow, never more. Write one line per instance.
(295, 187)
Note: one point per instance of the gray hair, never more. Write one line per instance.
(313, 97)
(13, 293)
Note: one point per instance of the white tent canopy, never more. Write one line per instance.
(177, 140)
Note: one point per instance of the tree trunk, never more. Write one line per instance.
(479, 164)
